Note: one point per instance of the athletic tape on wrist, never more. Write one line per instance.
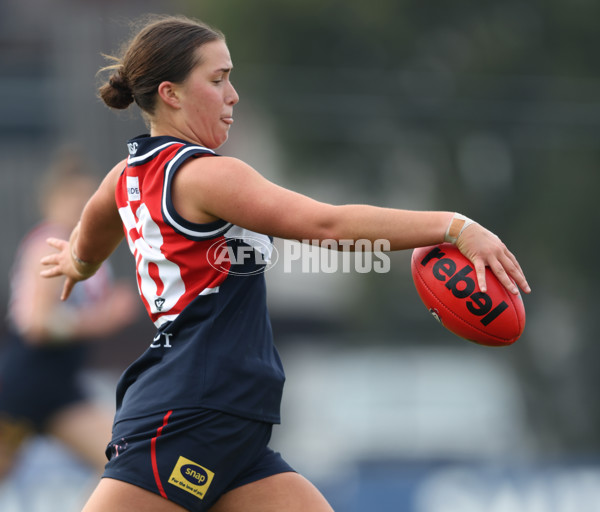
(84, 268)
(457, 225)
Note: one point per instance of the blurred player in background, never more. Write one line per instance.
(45, 351)
(196, 409)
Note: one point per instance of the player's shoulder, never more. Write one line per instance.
(221, 168)
(116, 171)
(219, 161)
(119, 167)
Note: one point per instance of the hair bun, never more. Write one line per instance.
(119, 83)
(117, 93)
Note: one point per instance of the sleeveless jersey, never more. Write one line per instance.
(203, 286)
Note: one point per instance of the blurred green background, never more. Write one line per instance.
(488, 108)
(485, 107)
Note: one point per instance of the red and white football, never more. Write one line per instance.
(447, 285)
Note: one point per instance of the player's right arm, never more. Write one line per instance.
(93, 240)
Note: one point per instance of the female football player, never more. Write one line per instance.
(195, 411)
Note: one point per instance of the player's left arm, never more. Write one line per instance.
(93, 240)
(100, 227)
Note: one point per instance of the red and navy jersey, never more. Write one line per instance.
(214, 345)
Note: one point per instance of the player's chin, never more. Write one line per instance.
(219, 139)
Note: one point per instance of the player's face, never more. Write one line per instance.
(208, 96)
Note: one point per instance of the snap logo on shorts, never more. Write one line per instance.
(191, 477)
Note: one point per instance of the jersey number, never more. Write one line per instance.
(159, 280)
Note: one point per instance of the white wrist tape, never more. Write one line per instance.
(457, 225)
(83, 268)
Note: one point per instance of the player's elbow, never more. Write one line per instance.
(331, 225)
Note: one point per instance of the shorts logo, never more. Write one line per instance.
(191, 477)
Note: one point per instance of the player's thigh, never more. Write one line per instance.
(284, 492)
(116, 496)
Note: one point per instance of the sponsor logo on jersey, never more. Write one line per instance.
(191, 477)
(157, 342)
(133, 188)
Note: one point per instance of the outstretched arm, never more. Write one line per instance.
(209, 188)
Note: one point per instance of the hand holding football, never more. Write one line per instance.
(445, 280)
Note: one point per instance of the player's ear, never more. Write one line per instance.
(168, 92)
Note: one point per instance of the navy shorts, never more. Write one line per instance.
(192, 457)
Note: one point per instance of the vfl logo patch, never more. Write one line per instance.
(159, 303)
(133, 188)
(191, 477)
